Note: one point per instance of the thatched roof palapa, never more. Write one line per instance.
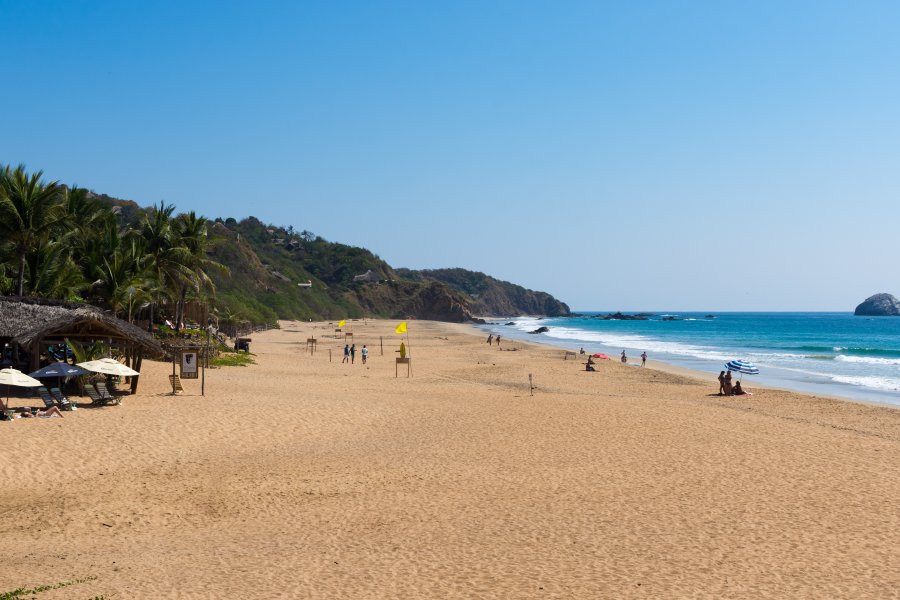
(28, 320)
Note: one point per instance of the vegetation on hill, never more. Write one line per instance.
(490, 296)
(149, 263)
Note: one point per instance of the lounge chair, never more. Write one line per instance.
(46, 397)
(104, 393)
(94, 395)
(63, 402)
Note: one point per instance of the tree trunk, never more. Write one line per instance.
(20, 285)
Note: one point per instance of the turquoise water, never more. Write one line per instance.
(836, 354)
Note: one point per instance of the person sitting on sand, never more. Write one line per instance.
(624, 358)
(582, 351)
(721, 383)
(738, 390)
(50, 412)
(728, 388)
(589, 365)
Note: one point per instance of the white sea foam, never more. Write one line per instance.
(868, 360)
(635, 342)
(886, 384)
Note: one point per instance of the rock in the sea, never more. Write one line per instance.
(620, 317)
(540, 330)
(511, 323)
(879, 305)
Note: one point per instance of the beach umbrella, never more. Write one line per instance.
(742, 366)
(17, 378)
(108, 366)
(600, 355)
(58, 370)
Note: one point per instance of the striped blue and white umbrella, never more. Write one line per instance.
(742, 366)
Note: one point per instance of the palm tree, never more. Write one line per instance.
(51, 271)
(122, 284)
(164, 257)
(29, 210)
(191, 234)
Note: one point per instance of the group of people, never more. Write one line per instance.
(643, 358)
(492, 338)
(350, 354)
(726, 388)
(589, 365)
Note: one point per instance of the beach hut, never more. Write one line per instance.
(29, 324)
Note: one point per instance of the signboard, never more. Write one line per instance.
(189, 369)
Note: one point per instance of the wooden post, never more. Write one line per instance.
(531, 384)
(205, 361)
(173, 372)
(382, 344)
(329, 355)
(137, 367)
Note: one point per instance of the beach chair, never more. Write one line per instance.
(61, 399)
(104, 393)
(175, 382)
(46, 397)
(94, 395)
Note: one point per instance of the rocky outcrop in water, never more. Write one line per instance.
(879, 305)
(621, 317)
(540, 330)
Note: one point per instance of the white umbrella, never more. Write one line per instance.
(108, 366)
(17, 378)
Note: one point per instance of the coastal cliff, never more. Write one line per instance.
(490, 296)
(879, 305)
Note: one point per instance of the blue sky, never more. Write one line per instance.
(653, 155)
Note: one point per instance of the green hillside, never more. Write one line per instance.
(149, 264)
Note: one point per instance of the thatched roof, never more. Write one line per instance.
(27, 320)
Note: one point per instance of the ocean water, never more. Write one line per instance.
(835, 354)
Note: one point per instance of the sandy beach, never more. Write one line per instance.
(300, 477)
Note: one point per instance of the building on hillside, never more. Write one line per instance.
(367, 277)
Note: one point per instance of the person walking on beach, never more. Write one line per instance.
(624, 358)
(365, 353)
(346, 354)
(490, 339)
(352, 354)
(721, 383)
(644, 359)
(498, 341)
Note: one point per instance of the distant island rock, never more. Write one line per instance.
(620, 317)
(540, 330)
(879, 305)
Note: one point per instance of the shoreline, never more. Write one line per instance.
(302, 476)
(703, 377)
(781, 380)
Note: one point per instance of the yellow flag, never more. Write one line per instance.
(342, 322)
(401, 328)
